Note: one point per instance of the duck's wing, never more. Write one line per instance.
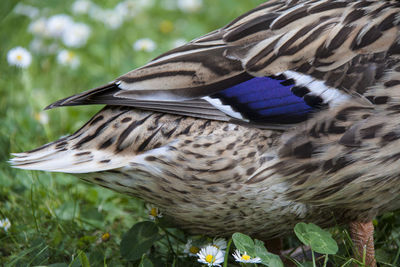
(278, 63)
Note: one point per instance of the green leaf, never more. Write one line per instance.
(324, 245)
(6, 7)
(83, 259)
(145, 262)
(244, 243)
(302, 233)
(267, 258)
(259, 248)
(318, 239)
(138, 240)
(275, 261)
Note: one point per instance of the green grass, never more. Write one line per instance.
(57, 218)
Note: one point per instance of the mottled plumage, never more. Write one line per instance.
(287, 114)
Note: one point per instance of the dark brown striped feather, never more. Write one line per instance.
(275, 37)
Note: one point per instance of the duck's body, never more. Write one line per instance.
(287, 114)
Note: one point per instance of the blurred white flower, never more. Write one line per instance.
(19, 57)
(144, 44)
(58, 24)
(219, 243)
(53, 48)
(42, 117)
(26, 10)
(76, 35)
(96, 12)
(190, 5)
(191, 249)
(5, 224)
(81, 6)
(38, 27)
(68, 58)
(169, 4)
(37, 46)
(179, 42)
(211, 256)
(129, 8)
(126, 9)
(112, 19)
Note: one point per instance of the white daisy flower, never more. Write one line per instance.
(68, 58)
(39, 27)
(39, 46)
(245, 258)
(179, 42)
(191, 249)
(127, 8)
(26, 10)
(42, 117)
(5, 224)
(19, 57)
(58, 24)
(211, 256)
(76, 35)
(81, 6)
(153, 212)
(190, 5)
(96, 12)
(112, 19)
(219, 243)
(122, 10)
(144, 44)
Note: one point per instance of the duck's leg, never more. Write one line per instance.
(362, 235)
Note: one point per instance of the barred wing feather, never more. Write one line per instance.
(278, 63)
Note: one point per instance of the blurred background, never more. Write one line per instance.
(53, 49)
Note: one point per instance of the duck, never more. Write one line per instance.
(289, 113)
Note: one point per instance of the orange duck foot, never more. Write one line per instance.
(362, 235)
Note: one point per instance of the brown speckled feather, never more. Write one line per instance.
(163, 140)
(346, 44)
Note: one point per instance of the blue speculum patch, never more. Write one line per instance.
(265, 99)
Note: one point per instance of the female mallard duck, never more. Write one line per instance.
(289, 113)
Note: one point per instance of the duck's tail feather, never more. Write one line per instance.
(84, 151)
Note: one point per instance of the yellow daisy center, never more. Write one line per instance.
(166, 26)
(210, 258)
(153, 212)
(70, 56)
(105, 237)
(19, 57)
(194, 249)
(246, 257)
